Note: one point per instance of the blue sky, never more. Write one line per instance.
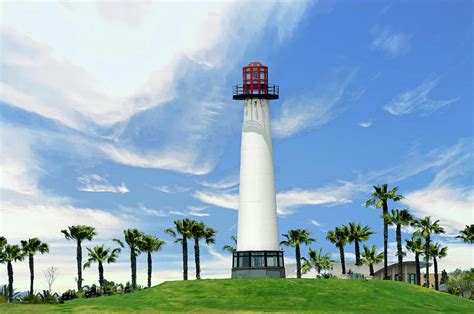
(119, 115)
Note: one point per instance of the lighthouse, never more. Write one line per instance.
(258, 252)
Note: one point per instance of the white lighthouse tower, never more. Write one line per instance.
(258, 251)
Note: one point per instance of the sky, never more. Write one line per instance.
(120, 115)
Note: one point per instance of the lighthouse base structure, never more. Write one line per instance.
(258, 264)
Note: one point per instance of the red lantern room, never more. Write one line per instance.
(255, 83)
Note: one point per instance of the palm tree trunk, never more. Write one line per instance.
(371, 267)
(399, 253)
(385, 240)
(427, 257)
(185, 258)
(435, 264)
(418, 271)
(343, 261)
(298, 261)
(197, 258)
(101, 274)
(357, 251)
(149, 269)
(79, 265)
(31, 263)
(133, 264)
(10, 281)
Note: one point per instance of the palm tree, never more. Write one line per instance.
(380, 198)
(10, 254)
(100, 255)
(133, 238)
(79, 233)
(415, 245)
(150, 244)
(30, 248)
(425, 228)
(295, 238)
(371, 257)
(339, 236)
(399, 218)
(358, 234)
(230, 248)
(182, 233)
(467, 234)
(437, 251)
(200, 231)
(317, 260)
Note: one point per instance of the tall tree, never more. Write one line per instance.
(371, 257)
(30, 247)
(230, 248)
(200, 231)
(100, 255)
(150, 244)
(399, 218)
(295, 238)
(358, 234)
(133, 238)
(380, 199)
(9, 255)
(467, 234)
(318, 260)
(415, 245)
(426, 227)
(339, 236)
(437, 252)
(79, 233)
(182, 232)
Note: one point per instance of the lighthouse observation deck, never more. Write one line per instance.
(255, 83)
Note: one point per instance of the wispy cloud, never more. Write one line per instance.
(217, 198)
(391, 43)
(171, 189)
(143, 210)
(365, 124)
(416, 100)
(96, 183)
(314, 222)
(306, 112)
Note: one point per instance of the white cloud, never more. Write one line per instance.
(416, 100)
(226, 183)
(314, 222)
(96, 183)
(19, 168)
(453, 206)
(216, 198)
(299, 114)
(143, 210)
(365, 124)
(393, 44)
(171, 189)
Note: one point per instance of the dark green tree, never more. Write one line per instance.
(295, 238)
(200, 231)
(416, 246)
(150, 244)
(380, 199)
(100, 255)
(339, 236)
(426, 227)
(316, 260)
(79, 233)
(9, 255)
(358, 234)
(437, 252)
(133, 238)
(30, 247)
(182, 232)
(399, 218)
(371, 257)
(467, 234)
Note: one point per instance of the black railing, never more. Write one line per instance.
(270, 91)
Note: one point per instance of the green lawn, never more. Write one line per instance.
(291, 295)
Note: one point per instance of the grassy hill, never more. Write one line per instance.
(331, 295)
